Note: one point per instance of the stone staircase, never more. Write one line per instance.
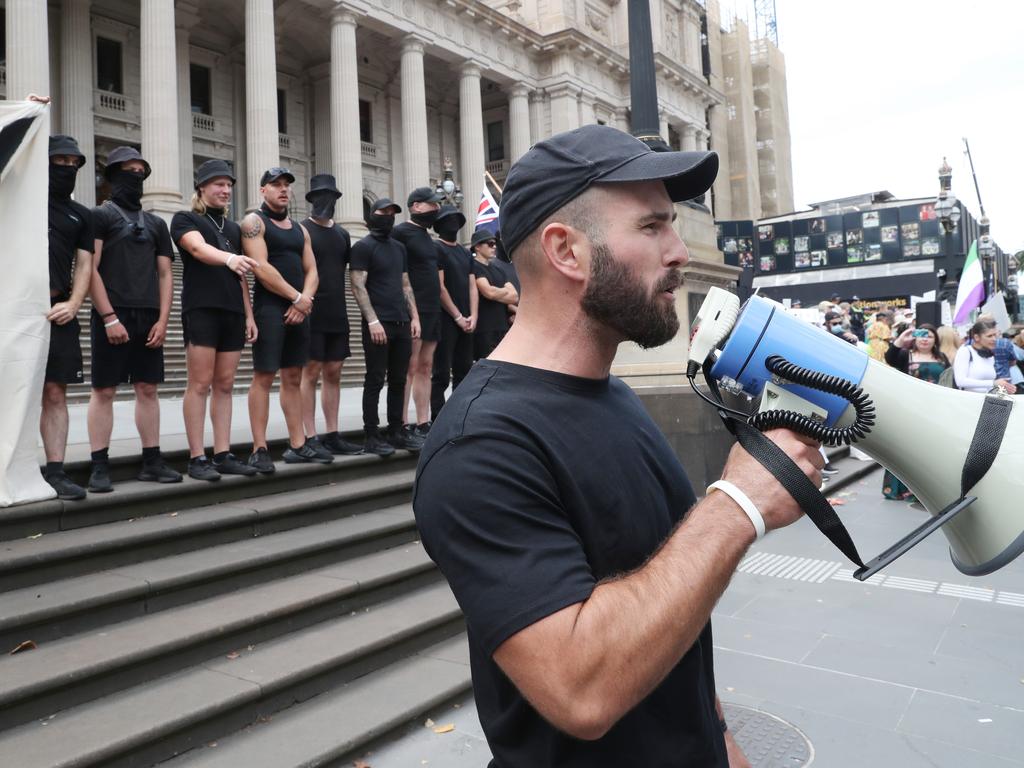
(175, 376)
(273, 621)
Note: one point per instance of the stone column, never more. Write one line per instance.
(518, 121)
(185, 171)
(415, 149)
(565, 110)
(663, 124)
(536, 117)
(159, 107)
(77, 87)
(346, 146)
(28, 54)
(322, 126)
(689, 137)
(471, 140)
(261, 137)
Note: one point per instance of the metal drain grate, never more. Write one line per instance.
(767, 740)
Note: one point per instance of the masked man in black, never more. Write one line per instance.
(131, 291)
(380, 285)
(459, 299)
(329, 329)
(496, 294)
(71, 244)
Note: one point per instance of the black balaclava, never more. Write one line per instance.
(271, 213)
(62, 180)
(126, 188)
(323, 205)
(448, 228)
(380, 224)
(425, 219)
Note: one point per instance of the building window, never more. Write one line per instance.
(282, 112)
(495, 141)
(365, 122)
(200, 88)
(109, 74)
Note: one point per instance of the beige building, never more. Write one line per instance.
(383, 92)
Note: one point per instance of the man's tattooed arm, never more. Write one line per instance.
(410, 297)
(362, 297)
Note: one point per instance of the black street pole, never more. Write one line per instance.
(643, 84)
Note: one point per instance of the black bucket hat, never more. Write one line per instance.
(273, 174)
(563, 167)
(482, 235)
(447, 211)
(213, 169)
(65, 145)
(323, 182)
(384, 202)
(120, 155)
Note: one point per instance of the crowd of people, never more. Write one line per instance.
(979, 361)
(429, 308)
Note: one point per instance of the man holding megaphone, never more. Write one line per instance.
(555, 507)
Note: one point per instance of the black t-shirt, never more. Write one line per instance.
(128, 266)
(532, 487)
(70, 229)
(284, 253)
(493, 314)
(331, 247)
(509, 270)
(383, 260)
(422, 260)
(208, 286)
(457, 264)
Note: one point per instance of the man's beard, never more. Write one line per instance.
(617, 299)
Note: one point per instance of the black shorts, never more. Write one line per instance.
(278, 345)
(129, 363)
(430, 326)
(217, 328)
(64, 361)
(328, 347)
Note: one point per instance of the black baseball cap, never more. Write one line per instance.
(561, 168)
(65, 145)
(213, 169)
(120, 155)
(384, 202)
(273, 174)
(424, 195)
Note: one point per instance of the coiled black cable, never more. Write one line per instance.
(823, 382)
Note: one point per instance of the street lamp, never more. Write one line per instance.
(448, 188)
(948, 212)
(986, 252)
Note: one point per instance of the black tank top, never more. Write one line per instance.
(284, 252)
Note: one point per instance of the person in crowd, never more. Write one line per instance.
(878, 336)
(553, 504)
(974, 367)
(286, 281)
(836, 324)
(504, 263)
(914, 351)
(496, 294)
(949, 341)
(328, 322)
(216, 317)
(71, 244)
(381, 287)
(131, 287)
(424, 206)
(1005, 357)
(460, 301)
(856, 318)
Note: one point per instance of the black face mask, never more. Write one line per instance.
(62, 180)
(126, 189)
(323, 205)
(447, 230)
(272, 214)
(380, 224)
(426, 219)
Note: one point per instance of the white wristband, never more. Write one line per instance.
(373, 322)
(228, 262)
(459, 318)
(297, 299)
(744, 503)
(112, 323)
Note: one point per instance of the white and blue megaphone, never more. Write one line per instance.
(941, 442)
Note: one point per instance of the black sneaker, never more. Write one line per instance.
(260, 461)
(405, 439)
(340, 447)
(376, 444)
(200, 468)
(306, 454)
(324, 455)
(99, 478)
(159, 472)
(230, 465)
(422, 430)
(66, 489)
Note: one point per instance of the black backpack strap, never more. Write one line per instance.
(988, 436)
(127, 225)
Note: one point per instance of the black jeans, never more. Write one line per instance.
(453, 358)
(386, 361)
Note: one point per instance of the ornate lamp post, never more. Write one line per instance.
(448, 186)
(947, 210)
(986, 252)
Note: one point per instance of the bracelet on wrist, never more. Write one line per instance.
(744, 503)
(112, 323)
(374, 322)
(297, 299)
(228, 262)
(109, 314)
(725, 726)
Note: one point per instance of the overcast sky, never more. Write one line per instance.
(880, 91)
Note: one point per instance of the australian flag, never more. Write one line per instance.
(487, 211)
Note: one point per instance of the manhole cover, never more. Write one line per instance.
(768, 741)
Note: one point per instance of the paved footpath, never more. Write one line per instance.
(921, 668)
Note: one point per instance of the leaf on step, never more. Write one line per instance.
(234, 655)
(34, 536)
(26, 645)
(447, 728)
(429, 723)
(173, 514)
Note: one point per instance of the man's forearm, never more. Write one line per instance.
(362, 298)
(166, 289)
(83, 277)
(410, 302)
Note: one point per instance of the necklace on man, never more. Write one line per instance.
(220, 228)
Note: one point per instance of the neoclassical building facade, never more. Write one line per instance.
(380, 92)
